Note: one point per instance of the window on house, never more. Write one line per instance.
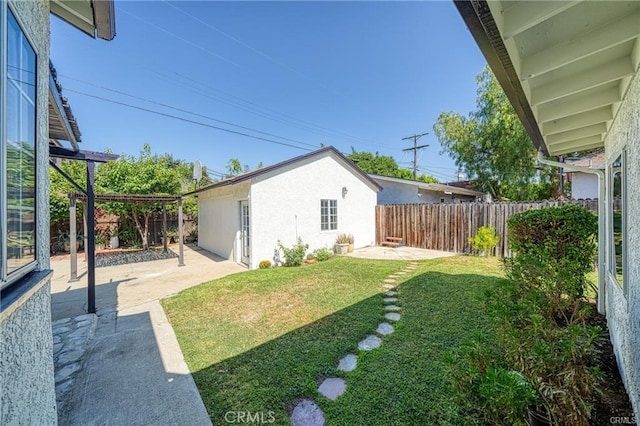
(618, 222)
(328, 215)
(18, 162)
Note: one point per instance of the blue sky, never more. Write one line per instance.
(348, 74)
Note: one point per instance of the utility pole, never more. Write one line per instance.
(415, 151)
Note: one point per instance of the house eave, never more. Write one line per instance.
(96, 18)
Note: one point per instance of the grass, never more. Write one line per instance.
(261, 340)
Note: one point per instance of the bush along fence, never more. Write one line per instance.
(448, 227)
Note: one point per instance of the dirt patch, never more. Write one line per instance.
(614, 401)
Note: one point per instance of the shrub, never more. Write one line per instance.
(294, 256)
(322, 254)
(264, 264)
(485, 240)
(342, 239)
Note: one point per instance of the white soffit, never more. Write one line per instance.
(574, 60)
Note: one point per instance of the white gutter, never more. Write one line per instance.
(601, 221)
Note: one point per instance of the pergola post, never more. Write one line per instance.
(90, 251)
(164, 228)
(72, 240)
(180, 234)
(84, 224)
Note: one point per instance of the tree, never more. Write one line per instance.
(384, 165)
(60, 187)
(147, 174)
(492, 146)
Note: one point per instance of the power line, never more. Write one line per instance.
(185, 111)
(415, 150)
(175, 117)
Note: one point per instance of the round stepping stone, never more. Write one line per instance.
(384, 328)
(392, 308)
(307, 413)
(392, 316)
(389, 280)
(371, 342)
(348, 363)
(332, 388)
(401, 273)
(391, 293)
(390, 299)
(389, 286)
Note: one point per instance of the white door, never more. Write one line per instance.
(245, 232)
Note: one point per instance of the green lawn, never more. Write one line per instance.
(260, 340)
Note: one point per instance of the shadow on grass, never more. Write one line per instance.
(403, 382)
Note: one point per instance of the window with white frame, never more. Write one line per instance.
(617, 178)
(328, 215)
(18, 159)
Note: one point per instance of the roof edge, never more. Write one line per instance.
(478, 18)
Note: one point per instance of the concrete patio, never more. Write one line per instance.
(400, 253)
(129, 368)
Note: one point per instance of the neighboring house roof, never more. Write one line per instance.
(437, 187)
(594, 160)
(275, 167)
(565, 65)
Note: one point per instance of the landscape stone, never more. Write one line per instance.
(348, 363)
(392, 308)
(69, 357)
(57, 347)
(389, 286)
(307, 413)
(390, 299)
(384, 328)
(401, 273)
(61, 329)
(62, 321)
(56, 339)
(392, 316)
(371, 342)
(332, 388)
(389, 280)
(84, 317)
(66, 372)
(391, 293)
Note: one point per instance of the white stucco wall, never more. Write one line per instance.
(27, 387)
(402, 193)
(219, 219)
(583, 186)
(623, 313)
(287, 203)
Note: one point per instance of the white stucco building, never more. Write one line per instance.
(405, 191)
(585, 185)
(32, 115)
(315, 197)
(572, 72)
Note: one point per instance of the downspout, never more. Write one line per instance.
(601, 221)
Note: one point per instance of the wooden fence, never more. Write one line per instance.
(448, 227)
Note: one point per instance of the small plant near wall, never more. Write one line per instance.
(264, 264)
(342, 244)
(485, 240)
(294, 256)
(322, 254)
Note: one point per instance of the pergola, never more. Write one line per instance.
(89, 233)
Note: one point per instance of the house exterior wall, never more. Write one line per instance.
(401, 193)
(623, 312)
(584, 186)
(27, 387)
(219, 219)
(286, 204)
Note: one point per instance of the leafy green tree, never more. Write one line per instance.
(384, 165)
(60, 187)
(492, 146)
(147, 174)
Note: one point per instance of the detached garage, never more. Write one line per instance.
(315, 197)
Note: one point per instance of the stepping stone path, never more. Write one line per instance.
(348, 363)
(332, 388)
(307, 412)
(371, 342)
(384, 329)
